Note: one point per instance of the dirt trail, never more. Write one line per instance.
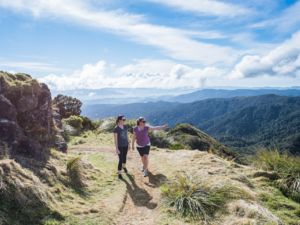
(142, 199)
(141, 205)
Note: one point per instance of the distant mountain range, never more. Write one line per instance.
(134, 95)
(223, 93)
(243, 123)
(132, 110)
(121, 95)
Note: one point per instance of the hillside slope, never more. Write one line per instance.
(243, 122)
(103, 199)
(137, 200)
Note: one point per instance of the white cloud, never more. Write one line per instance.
(24, 65)
(281, 61)
(176, 43)
(285, 21)
(206, 7)
(143, 73)
(284, 60)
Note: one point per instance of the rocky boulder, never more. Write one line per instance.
(26, 120)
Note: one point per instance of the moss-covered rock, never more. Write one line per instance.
(26, 119)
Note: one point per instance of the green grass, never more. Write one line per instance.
(101, 186)
(92, 138)
(192, 200)
(286, 166)
(176, 146)
(286, 209)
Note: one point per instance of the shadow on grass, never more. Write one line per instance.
(139, 196)
(156, 180)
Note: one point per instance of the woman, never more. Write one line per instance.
(121, 143)
(140, 135)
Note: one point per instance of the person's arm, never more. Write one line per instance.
(158, 127)
(128, 141)
(116, 143)
(133, 141)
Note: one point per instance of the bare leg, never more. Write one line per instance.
(146, 162)
(142, 158)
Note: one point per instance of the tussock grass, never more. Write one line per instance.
(24, 199)
(286, 166)
(75, 173)
(194, 201)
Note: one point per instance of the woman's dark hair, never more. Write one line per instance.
(120, 117)
(140, 119)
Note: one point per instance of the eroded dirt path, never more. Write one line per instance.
(141, 204)
(142, 199)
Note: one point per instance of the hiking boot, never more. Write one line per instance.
(145, 173)
(120, 176)
(125, 170)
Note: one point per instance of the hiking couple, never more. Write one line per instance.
(140, 136)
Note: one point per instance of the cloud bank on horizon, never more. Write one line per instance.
(150, 43)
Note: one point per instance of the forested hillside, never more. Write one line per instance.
(243, 122)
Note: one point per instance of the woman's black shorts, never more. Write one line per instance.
(144, 150)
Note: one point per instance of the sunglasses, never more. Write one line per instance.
(124, 119)
(143, 121)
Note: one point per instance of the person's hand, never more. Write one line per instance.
(118, 151)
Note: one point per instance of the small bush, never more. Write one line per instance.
(191, 200)
(87, 124)
(286, 166)
(67, 105)
(159, 139)
(75, 173)
(176, 146)
(75, 121)
(130, 124)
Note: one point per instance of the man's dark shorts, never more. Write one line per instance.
(144, 150)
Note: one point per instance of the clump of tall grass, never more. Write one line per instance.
(75, 173)
(192, 200)
(286, 166)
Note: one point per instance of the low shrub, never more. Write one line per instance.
(75, 121)
(159, 139)
(176, 146)
(87, 124)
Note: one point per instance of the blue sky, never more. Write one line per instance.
(152, 43)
